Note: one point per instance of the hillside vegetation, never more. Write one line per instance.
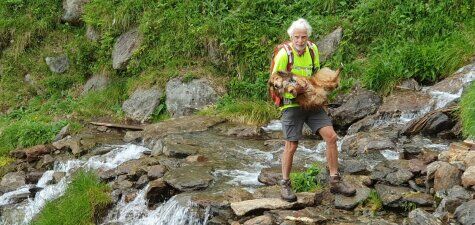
(384, 42)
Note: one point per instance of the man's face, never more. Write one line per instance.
(299, 39)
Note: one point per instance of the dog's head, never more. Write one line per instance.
(279, 81)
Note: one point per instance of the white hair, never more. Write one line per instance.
(300, 24)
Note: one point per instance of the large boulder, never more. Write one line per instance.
(404, 103)
(124, 48)
(189, 178)
(391, 195)
(465, 213)
(185, 98)
(444, 176)
(141, 104)
(58, 64)
(421, 217)
(356, 105)
(158, 191)
(33, 153)
(249, 206)
(12, 181)
(328, 44)
(454, 198)
(367, 142)
(73, 10)
(468, 177)
(362, 193)
(95, 83)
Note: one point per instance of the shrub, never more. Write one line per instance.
(305, 181)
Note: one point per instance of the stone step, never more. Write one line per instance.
(458, 146)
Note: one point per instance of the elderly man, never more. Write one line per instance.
(301, 58)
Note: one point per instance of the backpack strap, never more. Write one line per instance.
(290, 57)
(312, 55)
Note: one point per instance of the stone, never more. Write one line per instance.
(437, 123)
(57, 176)
(468, 177)
(141, 182)
(267, 192)
(237, 195)
(73, 143)
(465, 213)
(405, 102)
(133, 169)
(409, 84)
(421, 217)
(124, 48)
(73, 10)
(188, 178)
(92, 34)
(245, 207)
(419, 198)
(446, 177)
(156, 171)
(95, 83)
(455, 197)
(356, 105)
(33, 177)
(158, 191)
(62, 133)
(368, 142)
(12, 181)
(196, 158)
(45, 163)
(391, 195)
(180, 150)
(399, 177)
(186, 98)
(58, 64)
(130, 197)
(33, 153)
(260, 220)
(349, 203)
(245, 131)
(141, 104)
(328, 44)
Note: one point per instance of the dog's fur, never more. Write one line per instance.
(316, 87)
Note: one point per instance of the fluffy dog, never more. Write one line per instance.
(316, 87)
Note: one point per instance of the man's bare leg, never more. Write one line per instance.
(336, 184)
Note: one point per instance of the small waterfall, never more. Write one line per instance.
(178, 210)
(110, 160)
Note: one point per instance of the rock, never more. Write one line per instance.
(245, 207)
(62, 133)
(349, 203)
(356, 105)
(134, 136)
(260, 220)
(354, 167)
(391, 195)
(73, 10)
(124, 48)
(12, 181)
(437, 123)
(465, 213)
(267, 192)
(58, 64)
(180, 150)
(420, 199)
(409, 84)
(455, 197)
(132, 168)
(31, 154)
(399, 177)
(141, 104)
(237, 195)
(367, 142)
(188, 178)
(196, 158)
(57, 176)
(141, 182)
(308, 215)
(33, 177)
(245, 131)
(92, 34)
(158, 191)
(272, 175)
(405, 102)
(328, 44)
(95, 83)
(73, 143)
(45, 163)
(186, 98)
(468, 177)
(130, 197)
(446, 177)
(156, 171)
(421, 217)
(107, 175)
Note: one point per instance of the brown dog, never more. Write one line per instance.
(316, 87)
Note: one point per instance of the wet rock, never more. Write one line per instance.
(267, 192)
(133, 168)
(421, 217)
(455, 197)
(237, 195)
(92, 34)
(141, 182)
(328, 44)
(33, 177)
(405, 102)
(356, 105)
(260, 220)
(367, 142)
(437, 123)
(272, 175)
(245, 207)
(73, 10)
(465, 213)
(95, 83)
(395, 172)
(391, 195)
(73, 143)
(180, 150)
(57, 176)
(141, 104)
(130, 197)
(134, 136)
(107, 175)
(12, 181)
(58, 64)
(244, 131)
(158, 191)
(186, 98)
(416, 186)
(468, 177)
(45, 163)
(156, 171)
(188, 178)
(170, 163)
(122, 183)
(31, 154)
(365, 124)
(124, 48)
(62, 133)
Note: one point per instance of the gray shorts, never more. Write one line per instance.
(293, 119)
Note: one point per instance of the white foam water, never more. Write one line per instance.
(274, 125)
(390, 154)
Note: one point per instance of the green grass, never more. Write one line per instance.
(84, 199)
(305, 181)
(374, 201)
(467, 112)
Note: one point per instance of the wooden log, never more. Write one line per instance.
(123, 126)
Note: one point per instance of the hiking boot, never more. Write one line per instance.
(286, 192)
(337, 186)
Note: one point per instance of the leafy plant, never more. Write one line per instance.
(374, 201)
(305, 181)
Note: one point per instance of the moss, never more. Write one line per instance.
(467, 112)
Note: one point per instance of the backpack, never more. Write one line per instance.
(276, 98)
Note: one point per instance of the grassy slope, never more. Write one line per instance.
(383, 44)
